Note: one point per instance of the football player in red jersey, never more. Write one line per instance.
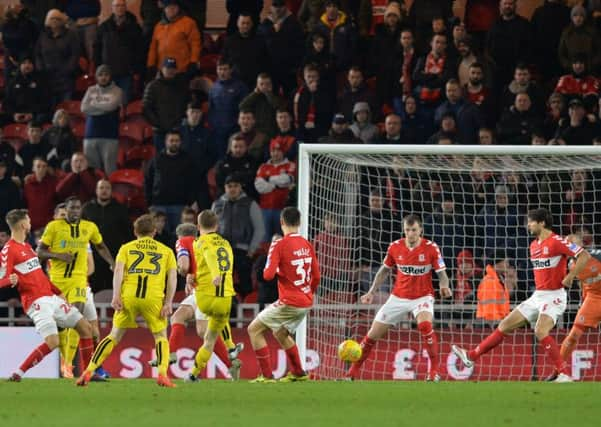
(294, 261)
(549, 255)
(42, 301)
(413, 258)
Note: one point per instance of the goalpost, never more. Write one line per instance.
(473, 202)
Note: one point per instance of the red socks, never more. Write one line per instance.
(86, 349)
(552, 351)
(431, 344)
(35, 357)
(176, 337)
(263, 357)
(486, 345)
(366, 344)
(221, 351)
(293, 358)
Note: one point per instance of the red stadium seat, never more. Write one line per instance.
(133, 131)
(134, 108)
(15, 131)
(82, 83)
(72, 107)
(212, 183)
(128, 188)
(135, 157)
(132, 177)
(208, 63)
(79, 129)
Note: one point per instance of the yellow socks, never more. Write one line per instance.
(103, 350)
(162, 351)
(226, 334)
(72, 344)
(201, 360)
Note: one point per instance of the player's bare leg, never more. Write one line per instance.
(571, 341)
(102, 351)
(182, 315)
(513, 321)
(50, 343)
(543, 327)
(256, 333)
(36, 356)
(297, 372)
(430, 342)
(162, 350)
(376, 332)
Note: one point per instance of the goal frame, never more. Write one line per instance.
(304, 175)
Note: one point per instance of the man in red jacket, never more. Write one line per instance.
(81, 181)
(39, 192)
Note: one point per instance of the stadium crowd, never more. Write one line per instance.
(163, 115)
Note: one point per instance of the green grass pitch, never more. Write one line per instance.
(140, 403)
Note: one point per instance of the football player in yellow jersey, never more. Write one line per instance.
(144, 282)
(214, 285)
(65, 243)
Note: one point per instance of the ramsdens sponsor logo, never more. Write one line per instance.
(537, 263)
(414, 270)
(540, 263)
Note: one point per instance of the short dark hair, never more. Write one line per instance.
(71, 199)
(144, 225)
(34, 124)
(173, 132)
(477, 65)
(15, 216)
(207, 219)
(291, 216)
(521, 66)
(283, 110)
(263, 76)
(541, 215)
(59, 207)
(194, 105)
(412, 219)
(224, 60)
(41, 159)
(310, 67)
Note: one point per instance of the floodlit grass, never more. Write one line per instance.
(140, 403)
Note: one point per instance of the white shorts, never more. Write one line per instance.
(51, 312)
(89, 308)
(551, 303)
(279, 315)
(396, 309)
(190, 300)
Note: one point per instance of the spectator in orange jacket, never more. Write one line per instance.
(494, 290)
(175, 36)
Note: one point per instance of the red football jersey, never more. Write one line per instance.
(20, 258)
(294, 261)
(414, 267)
(550, 261)
(185, 247)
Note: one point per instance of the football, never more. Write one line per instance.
(349, 351)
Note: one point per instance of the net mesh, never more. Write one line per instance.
(474, 207)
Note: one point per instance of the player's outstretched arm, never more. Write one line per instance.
(379, 278)
(443, 283)
(104, 252)
(581, 260)
(117, 304)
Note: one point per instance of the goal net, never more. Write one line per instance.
(473, 202)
